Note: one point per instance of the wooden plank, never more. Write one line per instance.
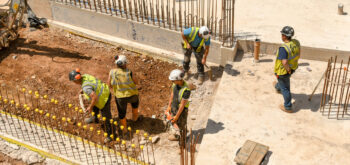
(257, 155)
(243, 155)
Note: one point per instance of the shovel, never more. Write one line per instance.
(210, 72)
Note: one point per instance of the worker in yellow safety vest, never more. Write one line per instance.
(177, 109)
(99, 96)
(286, 63)
(196, 40)
(123, 83)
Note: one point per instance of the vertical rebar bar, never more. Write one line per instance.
(342, 88)
(120, 7)
(333, 89)
(130, 10)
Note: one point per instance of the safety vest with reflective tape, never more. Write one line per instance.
(181, 92)
(293, 50)
(122, 83)
(100, 89)
(192, 36)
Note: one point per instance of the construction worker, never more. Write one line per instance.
(177, 109)
(286, 63)
(123, 82)
(194, 40)
(99, 96)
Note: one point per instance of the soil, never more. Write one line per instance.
(41, 60)
(6, 160)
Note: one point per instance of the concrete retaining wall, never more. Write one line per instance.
(138, 32)
(162, 42)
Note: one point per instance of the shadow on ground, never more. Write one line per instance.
(31, 48)
(211, 128)
(302, 102)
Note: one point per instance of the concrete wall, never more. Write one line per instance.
(142, 33)
(309, 53)
(155, 37)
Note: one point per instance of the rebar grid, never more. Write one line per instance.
(58, 127)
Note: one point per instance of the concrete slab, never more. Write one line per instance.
(246, 107)
(316, 23)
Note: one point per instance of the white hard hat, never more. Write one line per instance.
(204, 31)
(176, 74)
(121, 60)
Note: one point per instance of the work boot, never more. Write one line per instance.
(186, 76)
(107, 140)
(90, 120)
(173, 137)
(200, 79)
(288, 110)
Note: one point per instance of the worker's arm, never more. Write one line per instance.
(185, 40)
(170, 101)
(286, 66)
(93, 97)
(204, 60)
(181, 108)
(134, 79)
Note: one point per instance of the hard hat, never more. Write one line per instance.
(176, 74)
(204, 31)
(288, 31)
(120, 60)
(74, 75)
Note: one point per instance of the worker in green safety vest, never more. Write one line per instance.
(123, 84)
(286, 63)
(99, 96)
(196, 40)
(177, 109)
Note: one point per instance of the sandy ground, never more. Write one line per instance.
(246, 107)
(316, 23)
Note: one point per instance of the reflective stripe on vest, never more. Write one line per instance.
(181, 92)
(293, 50)
(101, 90)
(192, 36)
(123, 85)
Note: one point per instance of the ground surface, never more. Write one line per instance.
(6, 160)
(41, 60)
(246, 107)
(316, 23)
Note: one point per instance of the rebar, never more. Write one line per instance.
(335, 92)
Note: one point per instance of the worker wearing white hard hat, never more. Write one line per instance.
(123, 82)
(177, 109)
(196, 40)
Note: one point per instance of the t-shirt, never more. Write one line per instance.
(282, 54)
(197, 40)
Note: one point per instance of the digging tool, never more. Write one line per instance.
(317, 85)
(210, 72)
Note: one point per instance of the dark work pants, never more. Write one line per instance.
(105, 112)
(283, 85)
(199, 57)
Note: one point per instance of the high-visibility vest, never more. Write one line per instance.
(181, 92)
(122, 83)
(100, 89)
(293, 50)
(192, 36)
